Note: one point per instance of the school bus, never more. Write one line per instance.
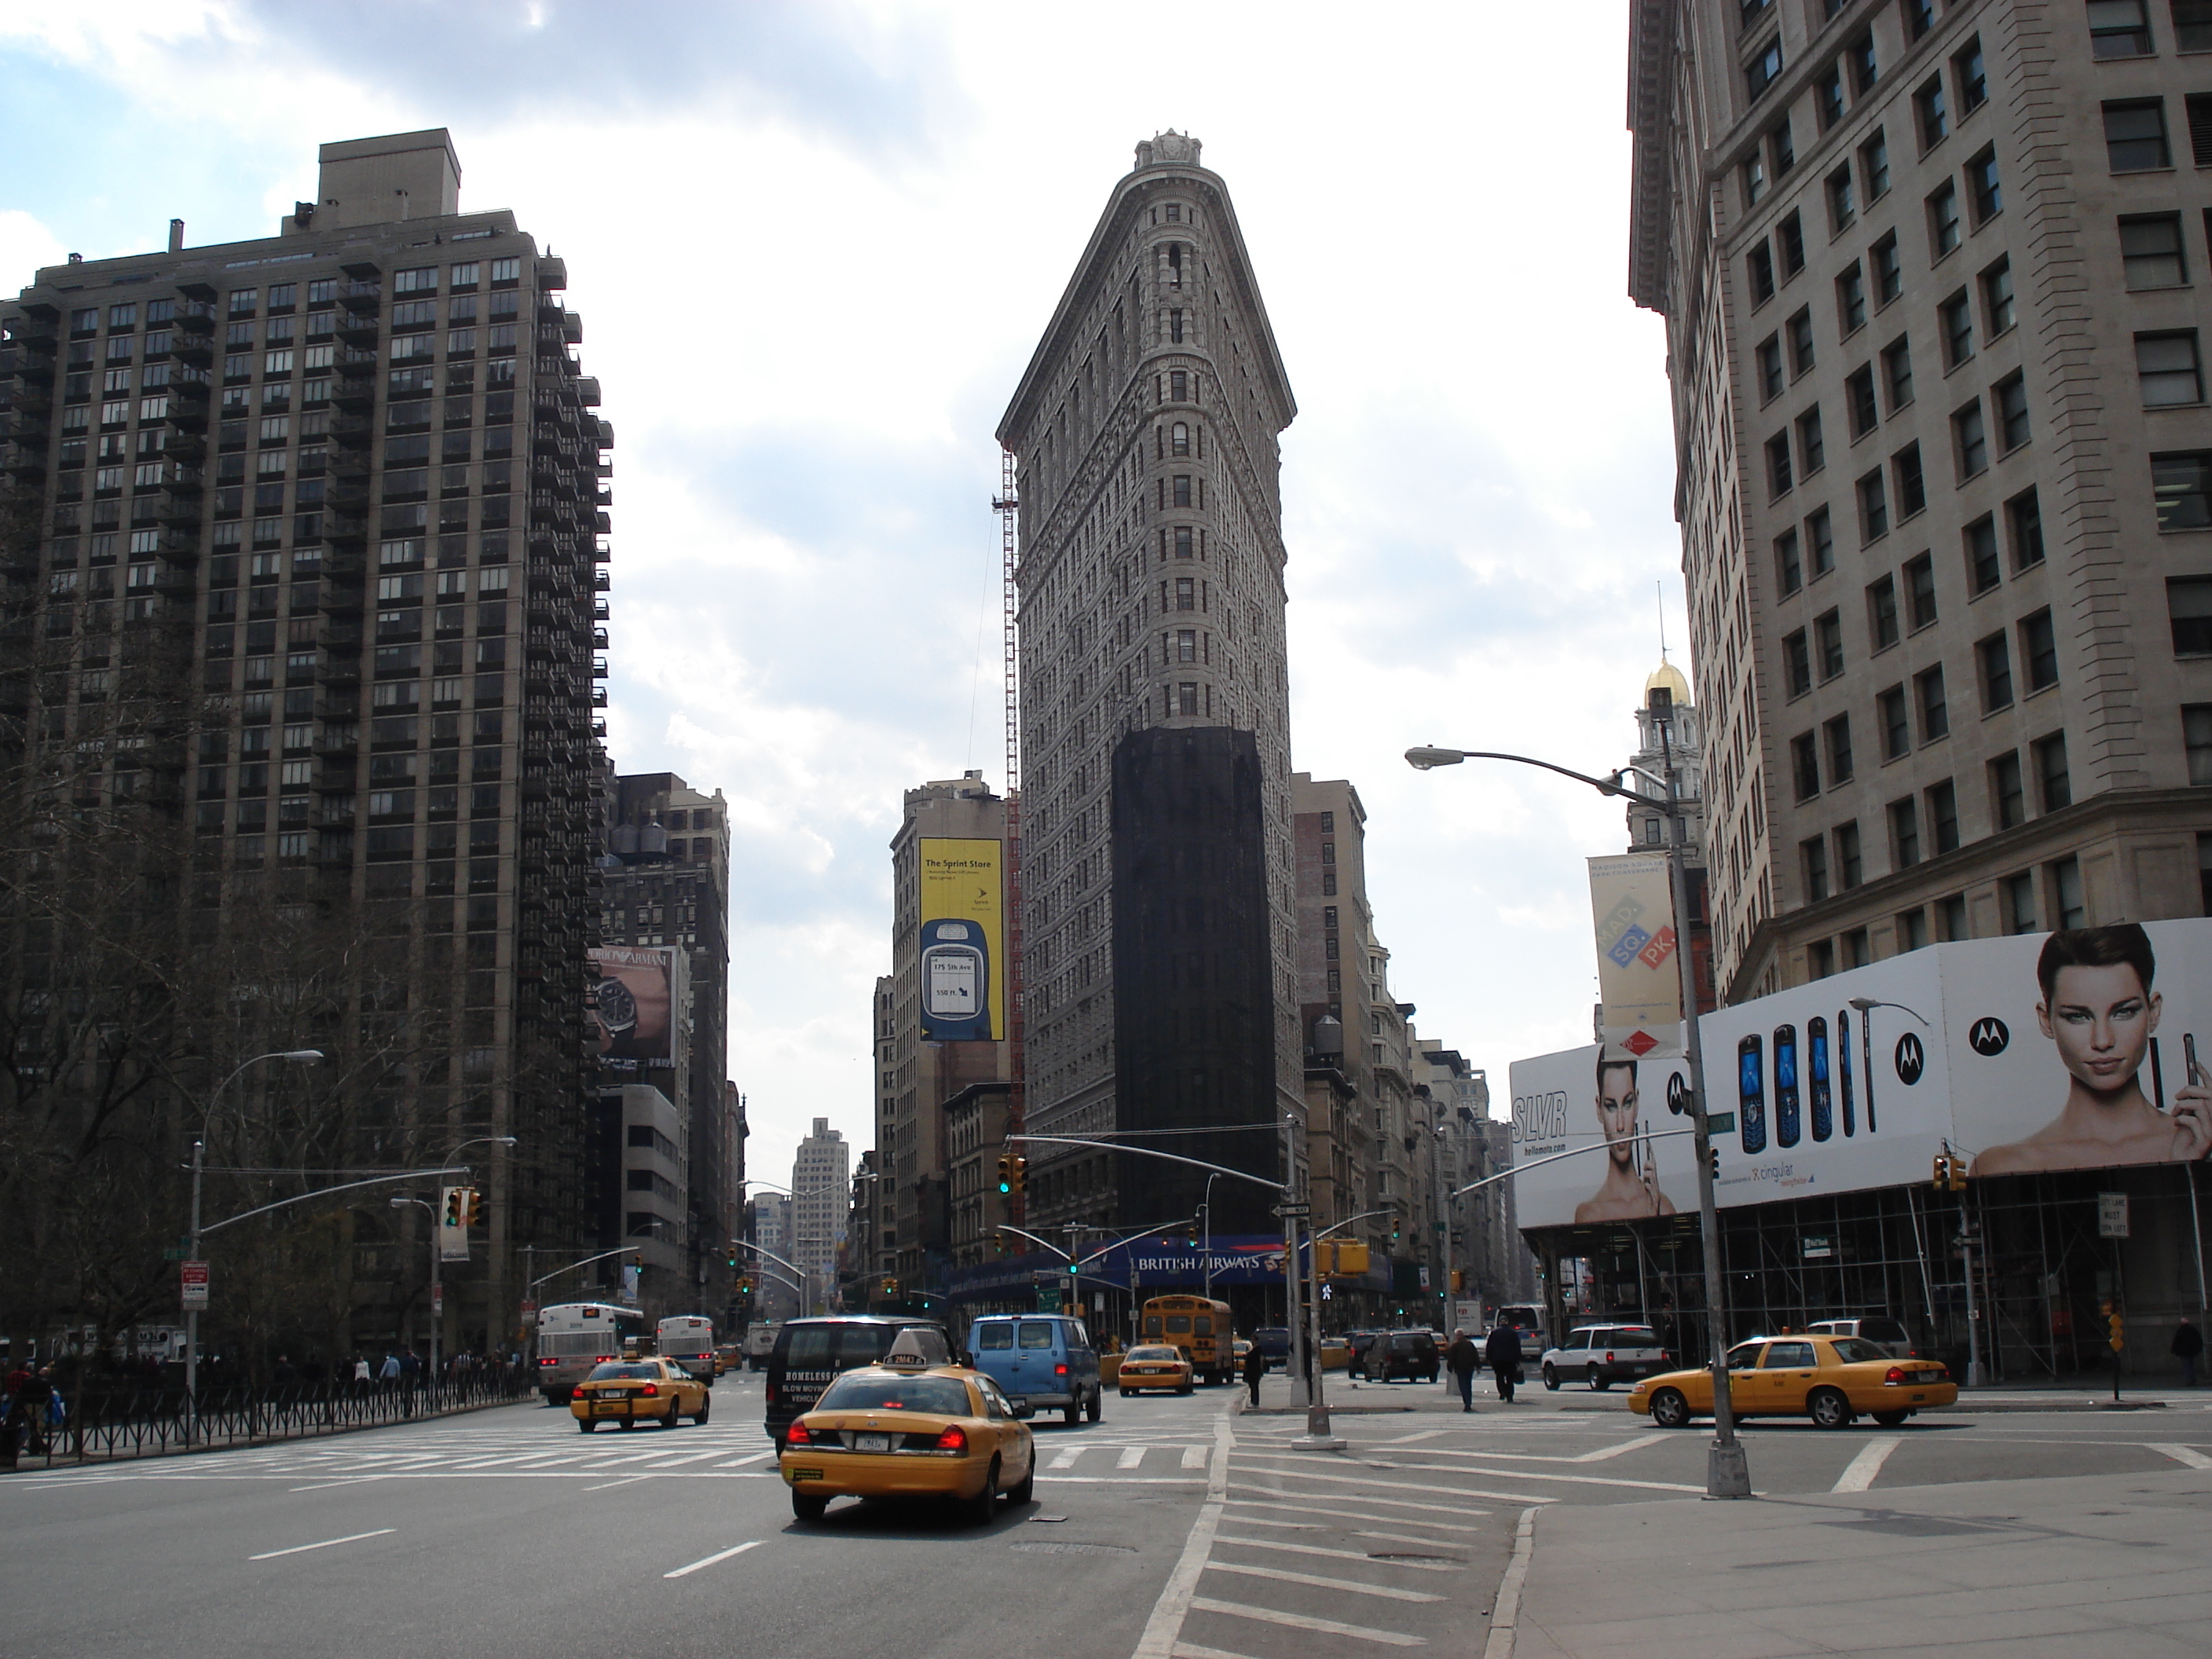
(1202, 1329)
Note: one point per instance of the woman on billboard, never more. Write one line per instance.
(2099, 1010)
(1631, 1188)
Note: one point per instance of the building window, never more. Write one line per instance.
(2197, 740)
(1778, 479)
(1843, 206)
(1932, 115)
(1820, 958)
(1797, 662)
(1911, 930)
(2117, 28)
(1997, 298)
(1805, 765)
(1882, 612)
(1769, 357)
(2134, 136)
(1759, 266)
(1755, 178)
(1801, 342)
(2024, 515)
(1850, 868)
(2189, 605)
(2192, 26)
(1943, 816)
(1860, 56)
(1994, 657)
(2051, 776)
(1760, 72)
(1858, 951)
(2038, 649)
(1789, 572)
(1956, 318)
(1812, 452)
(1934, 709)
(1969, 439)
(2067, 910)
(1873, 507)
(1179, 439)
(1850, 299)
(1828, 96)
(2011, 398)
(2019, 903)
(2167, 364)
(1782, 147)
(1911, 484)
(1790, 236)
(1920, 591)
(1814, 853)
(1943, 228)
(2151, 253)
(1820, 542)
(1987, 194)
(1828, 641)
(1859, 396)
(2007, 791)
(1839, 748)
(1182, 541)
(1897, 371)
(1983, 569)
(2181, 484)
(1896, 724)
(1873, 166)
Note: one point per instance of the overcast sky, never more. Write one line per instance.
(813, 247)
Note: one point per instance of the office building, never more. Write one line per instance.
(1158, 910)
(1929, 274)
(775, 1286)
(820, 1175)
(302, 538)
(1668, 737)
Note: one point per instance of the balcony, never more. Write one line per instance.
(345, 526)
(361, 294)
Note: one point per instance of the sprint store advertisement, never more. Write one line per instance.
(2085, 1050)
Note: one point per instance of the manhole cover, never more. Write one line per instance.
(1073, 1549)
(1405, 1555)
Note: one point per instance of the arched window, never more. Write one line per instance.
(1179, 439)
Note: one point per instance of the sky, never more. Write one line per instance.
(814, 246)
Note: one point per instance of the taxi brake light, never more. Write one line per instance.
(796, 1435)
(1894, 1374)
(577, 1393)
(650, 1389)
(954, 1439)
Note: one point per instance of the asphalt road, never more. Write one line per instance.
(1173, 1527)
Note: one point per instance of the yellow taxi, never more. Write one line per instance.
(1830, 1379)
(1157, 1367)
(634, 1391)
(909, 1428)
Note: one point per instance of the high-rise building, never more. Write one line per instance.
(1667, 738)
(1341, 998)
(820, 1202)
(945, 1025)
(666, 884)
(776, 1287)
(1959, 683)
(1158, 911)
(300, 537)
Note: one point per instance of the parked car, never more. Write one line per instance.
(1409, 1354)
(1887, 1335)
(1602, 1355)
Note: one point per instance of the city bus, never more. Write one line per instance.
(1202, 1329)
(574, 1336)
(688, 1340)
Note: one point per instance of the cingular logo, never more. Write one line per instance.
(1539, 1118)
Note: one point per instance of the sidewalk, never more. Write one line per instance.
(2106, 1564)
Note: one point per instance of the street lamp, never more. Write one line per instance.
(1727, 1474)
(297, 1057)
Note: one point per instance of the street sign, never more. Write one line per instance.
(1720, 1123)
(193, 1277)
(529, 1307)
(1815, 1249)
(2111, 1215)
(1291, 1209)
(1048, 1298)
(175, 1253)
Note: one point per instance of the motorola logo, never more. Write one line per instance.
(1678, 1093)
(1988, 1036)
(1911, 1059)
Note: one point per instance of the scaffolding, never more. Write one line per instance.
(1007, 506)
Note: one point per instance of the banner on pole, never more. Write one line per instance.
(194, 1281)
(1639, 980)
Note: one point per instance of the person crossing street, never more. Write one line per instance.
(1503, 1350)
(1462, 1359)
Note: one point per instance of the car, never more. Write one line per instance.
(634, 1391)
(729, 1357)
(1409, 1354)
(1887, 1335)
(1274, 1342)
(1602, 1355)
(1358, 1342)
(1528, 1323)
(1238, 1350)
(1830, 1379)
(810, 1354)
(1155, 1367)
(909, 1428)
(1046, 1358)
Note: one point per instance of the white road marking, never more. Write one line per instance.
(2188, 1456)
(1066, 1456)
(1351, 1587)
(1122, 1480)
(1859, 1474)
(1521, 1475)
(1506, 1612)
(1163, 1630)
(350, 1538)
(1194, 1457)
(740, 1463)
(1299, 1621)
(1339, 1555)
(710, 1560)
(1306, 1508)
(609, 1486)
(345, 1480)
(1130, 1458)
(1295, 1473)
(689, 1457)
(1193, 1650)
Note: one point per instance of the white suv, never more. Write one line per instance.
(1892, 1338)
(1602, 1355)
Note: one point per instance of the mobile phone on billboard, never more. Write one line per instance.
(1824, 1105)
(1844, 1071)
(1788, 1115)
(1751, 1093)
(2189, 1059)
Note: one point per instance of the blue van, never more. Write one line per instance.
(1045, 1359)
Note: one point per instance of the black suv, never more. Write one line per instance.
(810, 1354)
(1410, 1354)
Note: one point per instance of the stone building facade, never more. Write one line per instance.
(1932, 278)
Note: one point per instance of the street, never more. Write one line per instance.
(1174, 1526)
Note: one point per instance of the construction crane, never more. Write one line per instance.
(1007, 506)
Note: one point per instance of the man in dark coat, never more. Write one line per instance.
(1255, 1367)
(2188, 1346)
(1503, 1350)
(1462, 1359)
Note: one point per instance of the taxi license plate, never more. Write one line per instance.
(609, 1407)
(872, 1443)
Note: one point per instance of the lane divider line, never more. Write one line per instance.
(1299, 1621)
(1859, 1474)
(1346, 1586)
(709, 1561)
(1163, 1630)
(1506, 1612)
(1360, 1556)
(296, 1549)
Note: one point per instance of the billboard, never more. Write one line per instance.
(2075, 1050)
(638, 1004)
(1639, 979)
(963, 940)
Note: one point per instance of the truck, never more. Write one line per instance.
(759, 1342)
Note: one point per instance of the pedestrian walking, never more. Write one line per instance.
(1503, 1350)
(360, 1378)
(2188, 1347)
(389, 1374)
(1462, 1359)
(1255, 1367)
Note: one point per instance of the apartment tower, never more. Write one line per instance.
(1931, 278)
(1157, 908)
(820, 1203)
(300, 543)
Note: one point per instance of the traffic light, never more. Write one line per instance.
(1396, 1230)
(455, 1197)
(1018, 1167)
(890, 1288)
(2115, 1331)
(476, 1207)
(745, 1285)
(1459, 1281)
(1006, 1174)
(1714, 1153)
